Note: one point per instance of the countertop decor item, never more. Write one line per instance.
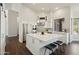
(42, 33)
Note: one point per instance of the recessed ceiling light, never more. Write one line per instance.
(43, 8)
(56, 8)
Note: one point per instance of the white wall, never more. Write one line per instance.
(3, 43)
(63, 13)
(0, 28)
(0, 19)
(75, 11)
(29, 16)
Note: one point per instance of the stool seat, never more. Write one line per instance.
(50, 46)
(59, 42)
(61, 46)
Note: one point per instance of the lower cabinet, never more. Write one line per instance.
(33, 45)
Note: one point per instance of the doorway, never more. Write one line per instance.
(58, 25)
(74, 29)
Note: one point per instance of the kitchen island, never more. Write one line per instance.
(35, 42)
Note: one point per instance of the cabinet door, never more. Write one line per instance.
(35, 46)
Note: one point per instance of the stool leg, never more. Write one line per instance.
(64, 48)
(57, 51)
(49, 51)
(45, 51)
(60, 50)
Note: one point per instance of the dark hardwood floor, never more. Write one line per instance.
(73, 48)
(13, 47)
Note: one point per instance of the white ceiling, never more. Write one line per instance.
(46, 7)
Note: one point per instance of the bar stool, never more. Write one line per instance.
(52, 47)
(61, 46)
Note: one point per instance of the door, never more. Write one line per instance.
(12, 23)
(2, 50)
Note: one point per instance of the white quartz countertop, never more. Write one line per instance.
(46, 36)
